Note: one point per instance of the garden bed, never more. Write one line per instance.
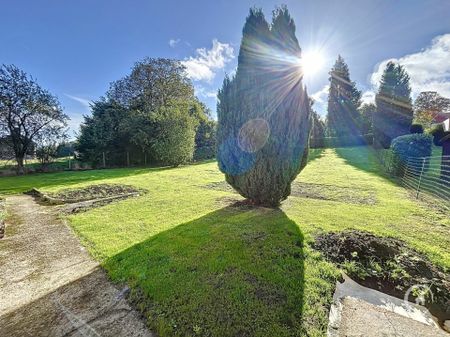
(390, 266)
(91, 192)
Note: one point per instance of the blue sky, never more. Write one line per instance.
(76, 48)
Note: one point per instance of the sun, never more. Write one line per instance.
(312, 61)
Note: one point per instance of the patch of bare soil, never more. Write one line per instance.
(316, 191)
(348, 195)
(219, 186)
(390, 266)
(50, 286)
(91, 192)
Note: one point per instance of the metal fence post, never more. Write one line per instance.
(420, 178)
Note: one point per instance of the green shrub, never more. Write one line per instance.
(175, 139)
(416, 145)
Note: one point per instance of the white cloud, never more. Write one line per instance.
(321, 100)
(321, 95)
(202, 67)
(429, 68)
(368, 97)
(203, 92)
(174, 42)
(83, 101)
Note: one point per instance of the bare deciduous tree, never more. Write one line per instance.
(27, 112)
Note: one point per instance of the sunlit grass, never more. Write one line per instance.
(199, 266)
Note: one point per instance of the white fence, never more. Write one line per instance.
(427, 175)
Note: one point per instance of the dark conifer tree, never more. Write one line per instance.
(394, 113)
(344, 100)
(264, 112)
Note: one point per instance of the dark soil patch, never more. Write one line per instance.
(316, 191)
(92, 192)
(219, 186)
(348, 195)
(388, 265)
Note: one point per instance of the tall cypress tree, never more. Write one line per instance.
(264, 112)
(394, 113)
(344, 100)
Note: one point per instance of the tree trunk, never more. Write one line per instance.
(20, 166)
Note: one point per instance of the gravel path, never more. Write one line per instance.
(50, 286)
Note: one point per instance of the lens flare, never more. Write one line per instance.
(312, 62)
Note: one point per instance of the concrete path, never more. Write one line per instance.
(50, 286)
(358, 311)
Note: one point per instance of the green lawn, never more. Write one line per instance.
(200, 265)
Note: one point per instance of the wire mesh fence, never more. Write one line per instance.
(424, 176)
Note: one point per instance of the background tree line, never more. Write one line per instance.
(149, 116)
(351, 122)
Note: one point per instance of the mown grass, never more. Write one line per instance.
(201, 264)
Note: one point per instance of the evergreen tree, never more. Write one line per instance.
(344, 100)
(264, 112)
(318, 129)
(366, 112)
(133, 123)
(394, 113)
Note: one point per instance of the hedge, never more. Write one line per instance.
(416, 145)
(333, 142)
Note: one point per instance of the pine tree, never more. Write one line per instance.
(394, 113)
(344, 100)
(264, 112)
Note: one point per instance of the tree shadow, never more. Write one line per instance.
(363, 158)
(314, 154)
(237, 271)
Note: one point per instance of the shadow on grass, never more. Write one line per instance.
(233, 272)
(20, 184)
(363, 158)
(314, 154)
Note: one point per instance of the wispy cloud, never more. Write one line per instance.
(174, 42)
(83, 101)
(429, 68)
(203, 66)
(206, 93)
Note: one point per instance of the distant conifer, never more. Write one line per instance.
(344, 100)
(394, 113)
